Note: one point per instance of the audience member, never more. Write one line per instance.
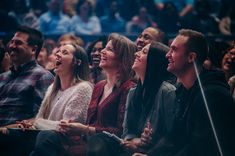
(226, 25)
(52, 61)
(70, 39)
(216, 51)
(54, 21)
(22, 15)
(38, 7)
(23, 87)
(70, 7)
(228, 66)
(46, 50)
(9, 25)
(85, 22)
(183, 7)
(4, 60)
(142, 102)
(63, 40)
(67, 98)
(202, 20)
(141, 21)
(107, 106)
(113, 22)
(196, 130)
(94, 51)
(148, 35)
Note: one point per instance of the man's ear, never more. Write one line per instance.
(34, 49)
(192, 57)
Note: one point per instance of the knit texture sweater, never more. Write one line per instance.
(70, 104)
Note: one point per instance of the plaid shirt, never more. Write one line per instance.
(22, 91)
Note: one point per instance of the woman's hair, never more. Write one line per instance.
(80, 73)
(89, 49)
(124, 49)
(72, 38)
(156, 72)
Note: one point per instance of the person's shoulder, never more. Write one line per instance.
(42, 72)
(4, 76)
(128, 84)
(167, 86)
(84, 85)
(94, 18)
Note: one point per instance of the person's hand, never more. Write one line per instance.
(146, 136)
(139, 154)
(4, 130)
(72, 128)
(131, 145)
(25, 124)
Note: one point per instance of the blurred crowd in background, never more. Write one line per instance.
(92, 17)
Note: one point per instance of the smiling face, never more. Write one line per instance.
(64, 60)
(96, 54)
(228, 62)
(109, 59)
(20, 51)
(140, 63)
(178, 56)
(147, 36)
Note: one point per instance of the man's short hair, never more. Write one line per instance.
(35, 37)
(196, 43)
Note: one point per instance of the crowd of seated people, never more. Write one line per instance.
(89, 17)
(159, 96)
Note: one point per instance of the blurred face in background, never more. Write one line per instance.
(42, 57)
(96, 53)
(52, 59)
(147, 36)
(228, 62)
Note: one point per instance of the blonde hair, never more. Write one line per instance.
(80, 73)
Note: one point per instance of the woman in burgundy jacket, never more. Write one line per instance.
(107, 106)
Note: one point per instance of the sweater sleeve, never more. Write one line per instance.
(76, 109)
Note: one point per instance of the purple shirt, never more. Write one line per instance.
(22, 91)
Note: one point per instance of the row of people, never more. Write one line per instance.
(155, 112)
(195, 14)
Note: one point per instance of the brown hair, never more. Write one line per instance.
(80, 73)
(196, 43)
(124, 48)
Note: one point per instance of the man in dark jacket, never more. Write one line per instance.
(205, 112)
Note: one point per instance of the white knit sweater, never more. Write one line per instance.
(70, 104)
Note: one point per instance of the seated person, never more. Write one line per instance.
(142, 104)
(67, 98)
(24, 86)
(107, 106)
(94, 51)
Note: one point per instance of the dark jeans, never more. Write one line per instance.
(101, 144)
(17, 142)
(48, 143)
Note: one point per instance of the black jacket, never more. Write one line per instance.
(191, 133)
